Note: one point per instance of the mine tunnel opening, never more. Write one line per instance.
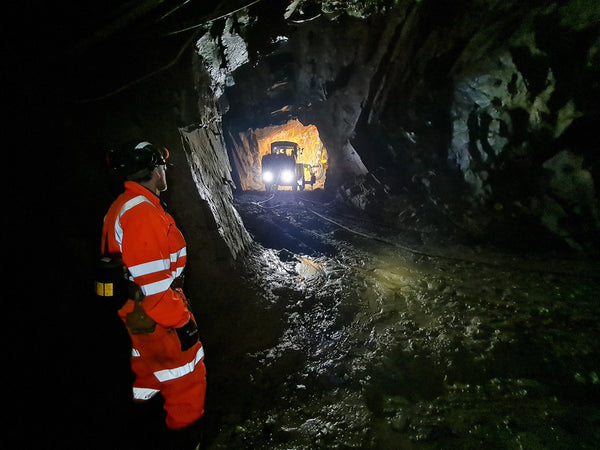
(278, 146)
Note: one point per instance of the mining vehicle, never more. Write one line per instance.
(279, 168)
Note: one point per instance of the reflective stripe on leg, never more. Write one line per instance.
(178, 372)
(144, 393)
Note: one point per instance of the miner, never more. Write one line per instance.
(167, 357)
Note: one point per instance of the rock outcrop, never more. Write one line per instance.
(211, 173)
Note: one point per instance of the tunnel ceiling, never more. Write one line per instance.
(102, 47)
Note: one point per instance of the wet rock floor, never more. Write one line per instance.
(355, 335)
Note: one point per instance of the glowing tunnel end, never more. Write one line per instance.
(312, 154)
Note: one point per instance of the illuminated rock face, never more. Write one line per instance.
(210, 172)
(257, 143)
(460, 105)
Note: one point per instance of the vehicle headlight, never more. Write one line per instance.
(267, 176)
(287, 176)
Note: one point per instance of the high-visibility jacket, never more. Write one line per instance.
(154, 251)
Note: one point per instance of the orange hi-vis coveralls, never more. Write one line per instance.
(154, 251)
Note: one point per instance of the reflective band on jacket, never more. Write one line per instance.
(156, 287)
(150, 267)
(126, 207)
(158, 265)
(175, 256)
(178, 372)
(152, 248)
(144, 393)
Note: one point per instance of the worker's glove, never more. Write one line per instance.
(187, 334)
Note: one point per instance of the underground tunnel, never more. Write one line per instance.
(428, 280)
(248, 155)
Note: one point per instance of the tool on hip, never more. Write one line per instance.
(137, 321)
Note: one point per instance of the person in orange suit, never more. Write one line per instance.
(167, 356)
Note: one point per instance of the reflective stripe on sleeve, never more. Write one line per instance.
(150, 267)
(178, 372)
(126, 207)
(157, 287)
(155, 266)
(176, 255)
(144, 393)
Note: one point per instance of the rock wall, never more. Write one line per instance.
(295, 70)
(464, 103)
(494, 96)
(211, 172)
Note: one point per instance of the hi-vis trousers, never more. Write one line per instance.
(160, 366)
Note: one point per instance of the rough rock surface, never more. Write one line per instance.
(212, 175)
(465, 103)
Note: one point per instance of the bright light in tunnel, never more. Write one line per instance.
(253, 144)
(267, 177)
(287, 176)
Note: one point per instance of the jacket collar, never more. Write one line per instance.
(138, 189)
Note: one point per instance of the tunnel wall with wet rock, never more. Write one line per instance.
(478, 101)
(459, 104)
(514, 113)
(211, 173)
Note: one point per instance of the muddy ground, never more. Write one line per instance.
(351, 334)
